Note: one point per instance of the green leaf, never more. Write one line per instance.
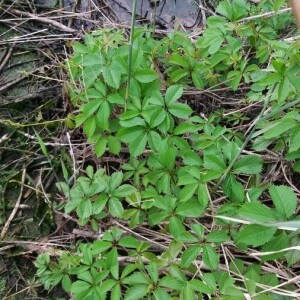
(217, 236)
(191, 158)
(100, 246)
(90, 126)
(115, 99)
(188, 293)
(233, 189)
(103, 115)
(42, 144)
(210, 257)
(161, 294)
(178, 60)
(116, 292)
(213, 162)
(114, 144)
(112, 263)
(216, 45)
(183, 128)
(173, 93)
(176, 227)
(189, 255)
(128, 242)
(138, 146)
(255, 235)
(100, 147)
(203, 196)
(200, 287)
(115, 207)
(66, 283)
(107, 285)
(256, 212)
(87, 209)
(232, 10)
(284, 199)
(293, 256)
(124, 190)
(136, 278)
(188, 191)
(80, 286)
(276, 128)
(180, 110)
(295, 142)
(277, 243)
(145, 76)
(178, 74)
(250, 164)
(115, 180)
(136, 292)
(190, 208)
(171, 282)
(198, 80)
(112, 77)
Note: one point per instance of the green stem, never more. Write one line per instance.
(130, 51)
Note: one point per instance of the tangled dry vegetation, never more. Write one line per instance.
(149, 164)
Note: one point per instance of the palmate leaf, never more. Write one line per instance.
(233, 10)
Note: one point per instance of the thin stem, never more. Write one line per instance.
(130, 51)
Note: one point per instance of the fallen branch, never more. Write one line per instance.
(41, 19)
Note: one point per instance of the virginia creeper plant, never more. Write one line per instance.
(174, 158)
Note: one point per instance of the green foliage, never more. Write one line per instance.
(179, 168)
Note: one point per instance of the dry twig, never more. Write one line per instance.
(13, 213)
